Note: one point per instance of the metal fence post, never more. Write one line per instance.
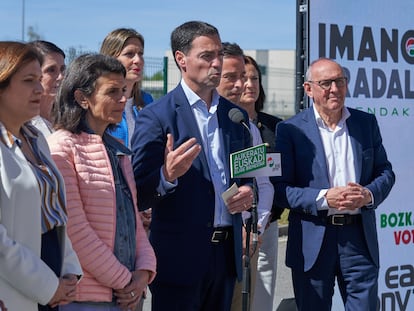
(165, 75)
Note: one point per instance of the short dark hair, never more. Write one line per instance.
(46, 47)
(183, 36)
(231, 49)
(82, 75)
(259, 104)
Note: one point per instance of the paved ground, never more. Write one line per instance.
(284, 288)
(283, 282)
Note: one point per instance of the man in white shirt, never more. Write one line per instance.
(335, 174)
(181, 145)
(231, 87)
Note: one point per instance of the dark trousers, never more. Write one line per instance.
(213, 292)
(52, 256)
(344, 255)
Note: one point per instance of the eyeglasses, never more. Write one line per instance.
(327, 84)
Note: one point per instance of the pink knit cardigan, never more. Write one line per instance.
(86, 169)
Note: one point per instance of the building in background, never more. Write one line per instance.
(278, 73)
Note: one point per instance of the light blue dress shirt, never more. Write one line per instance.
(212, 146)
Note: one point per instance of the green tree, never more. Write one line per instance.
(158, 76)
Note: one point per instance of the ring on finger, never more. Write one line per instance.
(132, 294)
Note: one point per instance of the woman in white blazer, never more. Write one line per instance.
(35, 274)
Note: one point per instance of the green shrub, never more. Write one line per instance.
(284, 217)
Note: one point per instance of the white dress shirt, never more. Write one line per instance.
(339, 156)
(212, 146)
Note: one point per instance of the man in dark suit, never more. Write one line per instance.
(335, 174)
(181, 150)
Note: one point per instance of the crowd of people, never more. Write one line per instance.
(106, 194)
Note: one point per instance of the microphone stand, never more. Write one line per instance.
(246, 270)
(251, 227)
(253, 211)
(236, 116)
(254, 217)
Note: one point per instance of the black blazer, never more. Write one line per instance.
(266, 124)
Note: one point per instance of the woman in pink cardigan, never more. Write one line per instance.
(103, 221)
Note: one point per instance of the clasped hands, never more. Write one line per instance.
(129, 296)
(65, 292)
(349, 197)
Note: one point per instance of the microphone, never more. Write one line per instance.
(236, 116)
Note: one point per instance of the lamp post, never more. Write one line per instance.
(23, 4)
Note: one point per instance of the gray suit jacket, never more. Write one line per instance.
(25, 280)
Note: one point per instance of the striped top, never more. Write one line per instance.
(51, 185)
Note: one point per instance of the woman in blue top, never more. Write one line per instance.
(127, 45)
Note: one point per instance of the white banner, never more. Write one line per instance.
(374, 41)
(272, 168)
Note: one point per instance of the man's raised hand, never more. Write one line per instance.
(177, 162)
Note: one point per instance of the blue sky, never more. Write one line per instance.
(263, 24)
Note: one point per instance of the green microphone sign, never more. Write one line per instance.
(248, 160)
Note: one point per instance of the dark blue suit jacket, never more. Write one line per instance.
(305, 173)
(182, 220)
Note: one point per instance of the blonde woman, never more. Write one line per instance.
(127, 45)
